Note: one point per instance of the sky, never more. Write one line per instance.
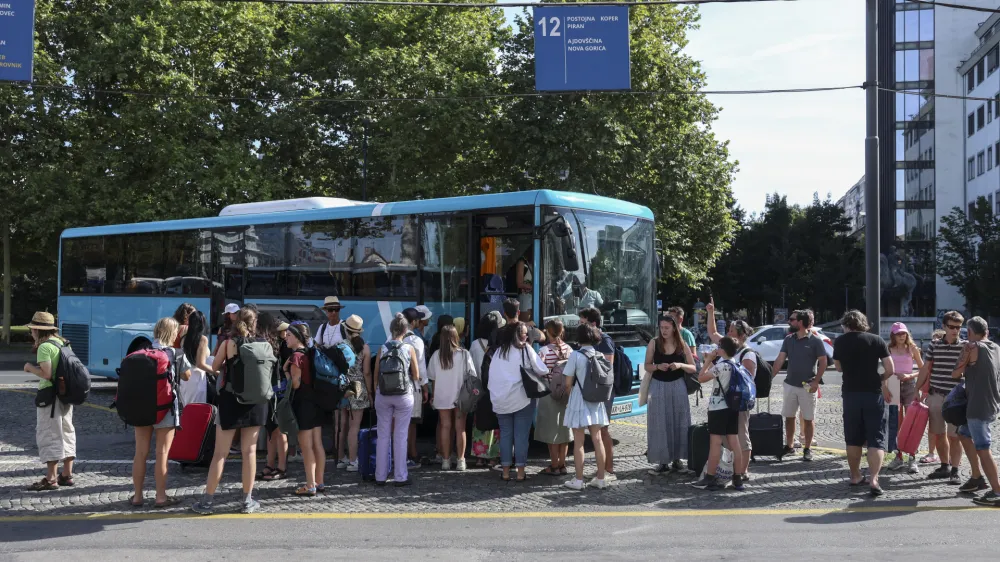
(792, 144)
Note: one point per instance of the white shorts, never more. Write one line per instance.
(55, 435)
(796, 398)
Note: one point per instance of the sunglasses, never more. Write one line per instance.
(952, 327)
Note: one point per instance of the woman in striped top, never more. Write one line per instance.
(549, 428)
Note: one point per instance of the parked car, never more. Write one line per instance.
(766, 341)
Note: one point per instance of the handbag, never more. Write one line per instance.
(472, 389)
(45, 397)
(535, 385)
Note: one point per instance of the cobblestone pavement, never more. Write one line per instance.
(105, 449)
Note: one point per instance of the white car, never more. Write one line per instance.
(766, 341)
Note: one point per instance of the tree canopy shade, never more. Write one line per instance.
(238, 124)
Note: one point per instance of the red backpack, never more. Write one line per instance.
(146, 387)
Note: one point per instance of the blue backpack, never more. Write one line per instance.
(329, 368)
(741, 396)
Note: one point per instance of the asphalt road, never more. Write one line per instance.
(892, 533)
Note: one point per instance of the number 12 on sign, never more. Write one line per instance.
(580, 47)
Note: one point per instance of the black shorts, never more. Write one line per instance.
(307, 414)
(866, 419)
(723, 422)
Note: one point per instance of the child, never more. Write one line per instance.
(723, 423)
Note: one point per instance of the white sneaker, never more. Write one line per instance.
(445, 464)
(598, 483)
(574, 484)
(610, 477)
(911, 466)
(342, 464)
(798, 443)
(896, 464)
(352, 466)
(460, 465)
(438, 458)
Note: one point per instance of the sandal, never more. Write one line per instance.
(862, 482)
(277, 474)
(563, 471)
(166, 503)
(132, 504)
(550, 470)
(43, 485)
(65, 480)
(306, 492)
(505, 478)
(266, 473)
(525, 479)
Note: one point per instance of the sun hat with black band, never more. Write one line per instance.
(42, 321)
(354, 324)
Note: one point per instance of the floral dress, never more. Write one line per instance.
(357, 373)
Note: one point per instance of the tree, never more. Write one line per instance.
(969, 255)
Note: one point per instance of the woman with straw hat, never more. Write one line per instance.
(54, 431)
(358, 395)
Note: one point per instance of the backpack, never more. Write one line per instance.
(762, 378)
(394, 369)
(486, 418)
(955, 407)
(557, 380)
(600, 382)
(146, 387)
(468, 395)
(741, 396)
(248, 375)
(624, 372)
(70, 377)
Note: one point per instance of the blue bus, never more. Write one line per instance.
(455, 255)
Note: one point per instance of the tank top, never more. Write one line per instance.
(667, 376)
(902, 363)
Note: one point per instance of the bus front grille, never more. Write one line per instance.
(79, 339)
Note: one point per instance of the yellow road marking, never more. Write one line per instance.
(494, 515)
(84, 405)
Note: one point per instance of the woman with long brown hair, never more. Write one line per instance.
(549, 427)
(668, 412)
(906, 361)
(448, 367)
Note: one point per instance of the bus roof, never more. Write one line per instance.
(363, 210)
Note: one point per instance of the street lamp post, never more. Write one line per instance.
(873, 303)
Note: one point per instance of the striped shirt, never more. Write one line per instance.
(550, 355)
(945, 358)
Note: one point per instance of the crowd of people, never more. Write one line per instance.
(881, 383)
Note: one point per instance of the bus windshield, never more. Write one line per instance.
(613, 272)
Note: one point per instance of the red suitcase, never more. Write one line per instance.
(194, 441)
(912, 431)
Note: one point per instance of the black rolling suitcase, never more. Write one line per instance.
(699, 444)
(767, 433)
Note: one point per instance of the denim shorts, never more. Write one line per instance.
(979, 432)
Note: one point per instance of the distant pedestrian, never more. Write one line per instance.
(857, 355)
(906, 361)
(980, 365)
(807, 361)
(940, 362)
(55, 435)
(164, 336)
(582, 415)
(668, 360)
(678, 314)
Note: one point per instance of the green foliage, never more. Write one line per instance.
(969, 255)
(808, 250)
(76, 157)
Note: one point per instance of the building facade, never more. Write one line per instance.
(853, 205)
(982, 108)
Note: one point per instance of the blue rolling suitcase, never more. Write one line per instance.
(367, 440)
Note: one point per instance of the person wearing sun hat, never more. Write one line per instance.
(359, 378)
(330, 333)
(54, 431)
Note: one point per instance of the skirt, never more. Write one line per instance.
(234, 415)
(668, 417)
(549, 426)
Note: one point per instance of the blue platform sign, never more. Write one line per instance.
(17, 39)
(581, 48)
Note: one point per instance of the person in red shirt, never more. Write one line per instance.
(307, 414)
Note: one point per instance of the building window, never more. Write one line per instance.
(980, 117)
(989, 112)
(972, 168)
(972, 124)
(970, 80)
(996, 154)
(989, 158)
(980, 164)
(992, 60)
(980, 71)
(989, 201)
(914, 65)
(997, 211)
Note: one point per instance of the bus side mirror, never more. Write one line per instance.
(571, 258)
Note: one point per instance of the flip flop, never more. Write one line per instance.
(266, 473)
(132, 504)
(862, 482)
(306, 492)
(166, 503)
(525, 479)
(278, 474)
(550, 471)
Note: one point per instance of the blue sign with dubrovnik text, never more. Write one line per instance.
(582, 48)
(17, 39)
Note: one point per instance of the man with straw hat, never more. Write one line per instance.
(54, 431)
(330, 334)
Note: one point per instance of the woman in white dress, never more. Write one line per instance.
(580, 414)
(448, 367)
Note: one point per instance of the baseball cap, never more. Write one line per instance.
(282, 326)
(898, 327)
(411, 314)
(232, 308)
(425, 313)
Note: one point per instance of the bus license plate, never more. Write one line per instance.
(623, 408)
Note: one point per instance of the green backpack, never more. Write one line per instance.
(249, 372)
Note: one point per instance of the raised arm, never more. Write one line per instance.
(713, 332)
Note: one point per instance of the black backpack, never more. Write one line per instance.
(762, 378)
(393, 369)
(486, 419)
(71, 378)
(624, 372)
